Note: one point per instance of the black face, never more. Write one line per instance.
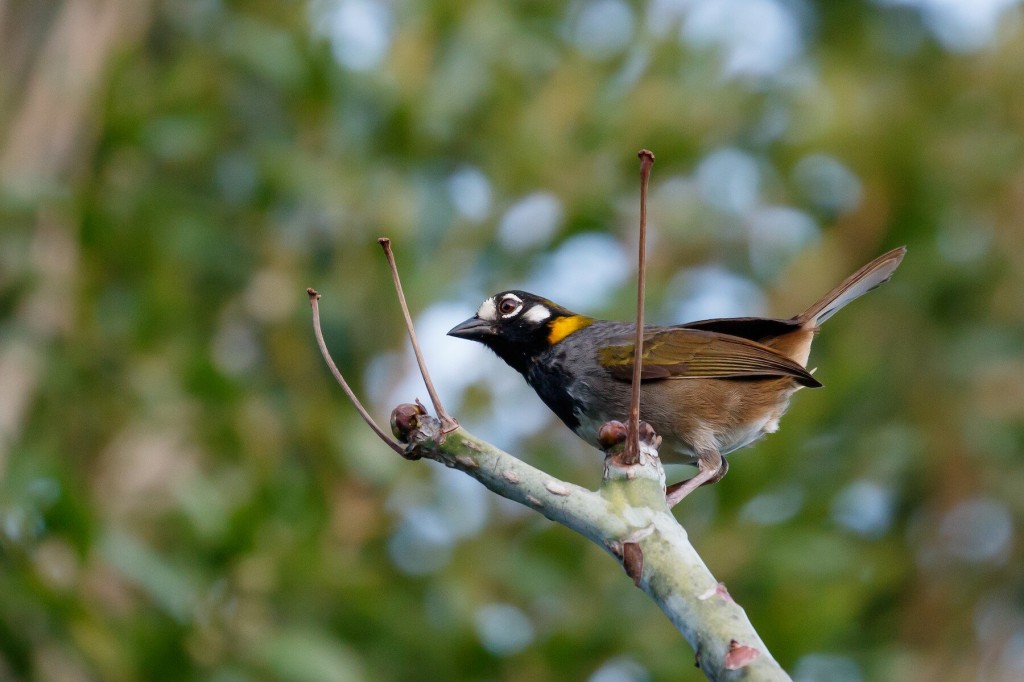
(514, 324)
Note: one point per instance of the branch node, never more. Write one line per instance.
(613, 437)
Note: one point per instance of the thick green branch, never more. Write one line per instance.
(628, 517)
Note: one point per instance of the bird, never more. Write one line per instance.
(708, 387)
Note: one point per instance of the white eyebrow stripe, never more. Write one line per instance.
(488, 311)
(537, 313)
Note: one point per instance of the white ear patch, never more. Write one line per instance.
(537, 314)
(488, 311)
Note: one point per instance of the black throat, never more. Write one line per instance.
(519, 354)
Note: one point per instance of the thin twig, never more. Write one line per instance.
(447, 423)
(632, 452)
(314, 297)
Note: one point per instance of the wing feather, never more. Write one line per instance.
(680, 353)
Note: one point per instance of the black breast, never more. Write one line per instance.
(548, 376)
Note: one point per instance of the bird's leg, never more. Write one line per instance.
(711, 468)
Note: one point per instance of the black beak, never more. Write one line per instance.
(473, 329)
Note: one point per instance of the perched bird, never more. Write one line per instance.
(708, 387)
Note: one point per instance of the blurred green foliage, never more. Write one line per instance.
(185, 494)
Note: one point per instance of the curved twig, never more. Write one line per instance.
(314, 299)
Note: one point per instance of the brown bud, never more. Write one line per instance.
(611, 434)
(405, 419)
(647, 434)
(633, 561)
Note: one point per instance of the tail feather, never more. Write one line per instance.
(873, 274)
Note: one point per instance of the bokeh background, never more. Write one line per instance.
(185, 493)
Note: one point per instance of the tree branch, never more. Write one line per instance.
(628, 517)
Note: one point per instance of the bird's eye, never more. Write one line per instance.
(508, 306)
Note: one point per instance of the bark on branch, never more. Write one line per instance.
(628, 517)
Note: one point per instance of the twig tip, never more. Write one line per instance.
(314, 295)
(385, 242)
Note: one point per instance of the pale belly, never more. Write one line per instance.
(728, 435)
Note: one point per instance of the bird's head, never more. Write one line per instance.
(519, 326)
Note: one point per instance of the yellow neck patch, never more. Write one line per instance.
(561, 327)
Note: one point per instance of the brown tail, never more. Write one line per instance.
(856, 285)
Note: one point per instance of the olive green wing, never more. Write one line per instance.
(678, 353)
